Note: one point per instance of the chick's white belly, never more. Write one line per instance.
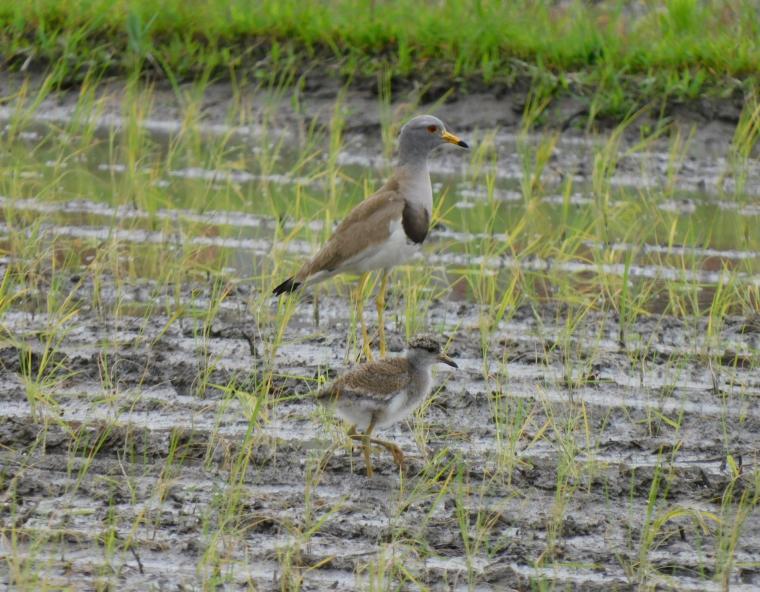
(395, 250)
(360, 414)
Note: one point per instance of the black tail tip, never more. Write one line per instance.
(289, 285)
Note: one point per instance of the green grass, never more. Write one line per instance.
(619, 54)
(548, 434)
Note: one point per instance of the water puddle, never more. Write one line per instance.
(159, 431)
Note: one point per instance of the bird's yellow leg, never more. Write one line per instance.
(396, 453)
(380, 303)
(393, 449)
(366, 440)
(367, 460)
(362, 286)
(352, 435)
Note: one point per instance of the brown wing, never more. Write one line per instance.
(366, 225)
(378, 380)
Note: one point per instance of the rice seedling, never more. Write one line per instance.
(605, 337)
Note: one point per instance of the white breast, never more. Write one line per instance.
(395, 410)
(406, 402)
(397, 249)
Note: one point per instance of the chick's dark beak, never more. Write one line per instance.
(444, 359)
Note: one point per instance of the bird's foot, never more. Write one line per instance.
(395, 451)
(398, 456)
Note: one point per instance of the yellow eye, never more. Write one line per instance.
(432, 129)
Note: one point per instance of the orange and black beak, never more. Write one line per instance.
(444, 359)
(452, 139)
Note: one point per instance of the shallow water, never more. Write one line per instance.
(154, 402)
(151, 401)
(703, 236)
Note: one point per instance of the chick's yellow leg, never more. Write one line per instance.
(366, 440)
(396, 453)
(366, 449)
(352, 435)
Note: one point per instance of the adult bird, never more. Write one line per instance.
(388, 227)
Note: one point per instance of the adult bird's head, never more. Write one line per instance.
(421, 134)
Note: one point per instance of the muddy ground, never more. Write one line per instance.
(155, 450)
(686, 147)
(709, 121)
(123, 475)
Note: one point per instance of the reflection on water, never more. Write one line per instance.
(238, 209)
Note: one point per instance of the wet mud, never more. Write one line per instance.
(145, 444)
(703, 130)
(126, 477)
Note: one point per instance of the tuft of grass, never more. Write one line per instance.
(175, 235)
(617, 54)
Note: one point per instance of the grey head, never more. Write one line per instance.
(420, 135)
(425, 350)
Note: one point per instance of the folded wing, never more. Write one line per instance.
(374, 381)
(367, 225)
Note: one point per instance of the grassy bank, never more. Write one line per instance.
(624, 52)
